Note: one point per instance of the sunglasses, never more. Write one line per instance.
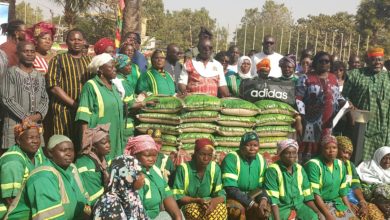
(324, 61)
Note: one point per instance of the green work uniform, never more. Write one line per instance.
(101, 105)
(128, 100)
(243, 174)
(233, 81)
(154, 83)
(15, 167)
(289, 191)
(93, 183)
(154, 191)
(353, 180)
(210, 186)
(165, 164)
(330, 184)
(50, 192)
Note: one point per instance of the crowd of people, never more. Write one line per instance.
(69, 149)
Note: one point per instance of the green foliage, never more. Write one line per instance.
(96, 27)
(32, 15)
(74, 8)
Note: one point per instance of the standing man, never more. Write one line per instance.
(172, 64)
(234, 54)
(134, 39)
(203, 74)
(368, 88)
(66, 76)
(268, 52)
(353, 62)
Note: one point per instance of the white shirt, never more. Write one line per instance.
(274, 58)
(233, 68)
(212, 68)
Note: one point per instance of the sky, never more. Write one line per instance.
(230, 12)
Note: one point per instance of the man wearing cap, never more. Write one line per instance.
(268, 52)
(368, 88)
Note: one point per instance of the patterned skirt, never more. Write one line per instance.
(195, 211)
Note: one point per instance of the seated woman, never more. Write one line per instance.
(92, 164)
(288, 187)
(233, 80)
(204, 198)
(327, 176)
(19, 160)
(242, 177)
(359, 205)
(156, 193)
(156, 81)
(54, 189)
(121, 199)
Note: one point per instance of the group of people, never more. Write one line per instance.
(93, 163)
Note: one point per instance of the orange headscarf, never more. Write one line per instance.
(25, 125)
(264, 65)
(376, 52)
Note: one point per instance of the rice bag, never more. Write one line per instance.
(198, 128)
(274, 107)
(169, 140)
(232, 131)
(159, 118)
(202, 102)
(190, 138)
(274, 119)
(199, 116)
(164, 104)
(236, 121)
(238, 107)
(165, 129)
(227, 141)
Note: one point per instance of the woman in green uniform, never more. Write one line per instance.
(54, 190)
(204, 198)
(100, 102)
(327, 176)
(233, 80)
(288, 186)
(156, 81)
(19, 160)
(132, 71)
(92, 164)
(242, 177)
(156, 192)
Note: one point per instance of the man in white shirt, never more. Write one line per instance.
(268, 52)
(203, 74)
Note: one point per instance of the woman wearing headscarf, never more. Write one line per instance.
(132, 71)
(54, 189)
(327, 176)
(100, 102)
(233, 80)
(204, 198)
(358, 203)
(287, 65)
(104, 45)
(242, 177)
(156, 81)
(121, 199)
(288, 187)
(92, 164)
(19, 160)
(156, 193)
(42, 35)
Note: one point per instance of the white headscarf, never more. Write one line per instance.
(242, 75)
(98, 61)
(371, 171)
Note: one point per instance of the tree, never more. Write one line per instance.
(131, 17)
(74, 8)
(31, 15)
(12, 10)
(153, 11)
(95, 27)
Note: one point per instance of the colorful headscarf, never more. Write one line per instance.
(290, 58)
(102, 44)
(139, 144)
(344, 143)
(98, 61)
(25, 125)
(242, 75)
(328, 139)
(376, 52)
(264, 65)
(282, 145)
(247, 137)
(203, 143)
(90, 137)
(121, 201)
(121, 60)
(40, 29)
(57, 139)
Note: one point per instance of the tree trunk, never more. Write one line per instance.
(11, 10)
(131, 17)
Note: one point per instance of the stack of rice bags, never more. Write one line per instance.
(235, 119)
(199, 115)
(274, 123)
(164, 116)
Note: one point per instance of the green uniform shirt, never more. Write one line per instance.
(154, 191)
(100, 105)
(331, 185)
(164, 162)
(240, 173)
(369, 91)
(133, 77)
(94, 179)
(41, 196)
(15, 167)
(153, 83)
(188, 183)
(353, 180)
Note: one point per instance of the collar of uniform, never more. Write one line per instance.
(100, 82)
(192, 166)
(155, 70)
(249, 160)
(199, 60)
(322, 159)
(283, 167)
(67, 172)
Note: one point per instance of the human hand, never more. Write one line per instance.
(139, 182)
(262, 207)
(212, 204)
(363, 209)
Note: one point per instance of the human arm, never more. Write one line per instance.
(275, 212)
(224, 91)
(11, 178)
(172, 208)
(271, 185)
(43, 105)
(86, 111)
(143, 85)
